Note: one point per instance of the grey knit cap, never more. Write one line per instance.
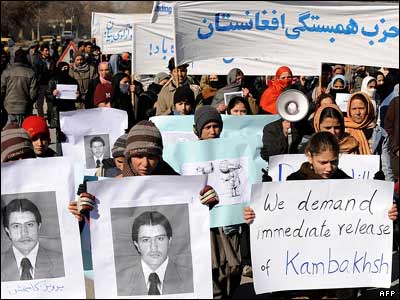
(206, 114)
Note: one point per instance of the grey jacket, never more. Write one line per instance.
(381, 146)
(19, 89)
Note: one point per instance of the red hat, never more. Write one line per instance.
(36, 125)
(103, 93)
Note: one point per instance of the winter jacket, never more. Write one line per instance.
(165, 102)
(19, 89)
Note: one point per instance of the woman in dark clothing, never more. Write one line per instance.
(122, 87)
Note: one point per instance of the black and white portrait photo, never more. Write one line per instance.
(30, 237)
(97, 148)
(152, 250)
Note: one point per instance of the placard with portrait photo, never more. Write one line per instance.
(148, 240)
(40, 240)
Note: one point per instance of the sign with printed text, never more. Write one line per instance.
(154, 46)
(277, 30)
(356, 166)
(326, 234)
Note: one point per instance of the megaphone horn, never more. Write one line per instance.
(292, 105)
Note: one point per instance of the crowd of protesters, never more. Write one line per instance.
(370, 125)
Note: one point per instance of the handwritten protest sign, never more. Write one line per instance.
(180, 233)
(205, 30)
(356, 166)
(52, 241)
(114, 32)
(320, 234)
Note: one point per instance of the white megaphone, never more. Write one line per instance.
(292, 105)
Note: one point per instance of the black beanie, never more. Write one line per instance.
(206, 114)
(184, 93)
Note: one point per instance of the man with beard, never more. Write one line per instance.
(27, 259)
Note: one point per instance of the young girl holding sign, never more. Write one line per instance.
(323, 159)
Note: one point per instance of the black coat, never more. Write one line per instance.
(301, 175)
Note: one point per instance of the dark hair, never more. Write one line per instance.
(377, 73)
(152, 218)
(44, 46)
(322, 97)
(80, 44)
(20, 56)
(88, 44)
(330, 112)
(171, 65)
(238, 99)
(322, 141)
(20, 205)
(97, 139)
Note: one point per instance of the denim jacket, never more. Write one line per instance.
(381, 146)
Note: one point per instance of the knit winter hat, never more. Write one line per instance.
(206, 114)
(15, 142)
(184, 93)
(103, 93)
(35, 126)
(119, 146)
(144, 139)
(160, 77)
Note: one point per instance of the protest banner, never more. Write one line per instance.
(321, 234)
(114, 32)
(154, 46)
(41, 205)
(120, 227)
(91, 134)
(266, 29)
(356, 166)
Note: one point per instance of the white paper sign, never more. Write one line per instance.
(276, 31)
(229, 178)
(113, 32)
(128, 201)
(356, 166)
(45, 186)
(67, 91)
(341, 100)
(91, 134)
(325, 234)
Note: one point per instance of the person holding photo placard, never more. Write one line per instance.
(235, 83)
(322, 153)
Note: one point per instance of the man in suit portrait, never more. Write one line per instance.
(155, 272)
(27, 259)
(96, 156)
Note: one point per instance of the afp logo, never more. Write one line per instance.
(387, 293)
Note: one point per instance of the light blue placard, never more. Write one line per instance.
(248, 128)
(209, 150)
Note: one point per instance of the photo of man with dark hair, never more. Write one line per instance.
(96, 150)
(27, 259)
(155, 272)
